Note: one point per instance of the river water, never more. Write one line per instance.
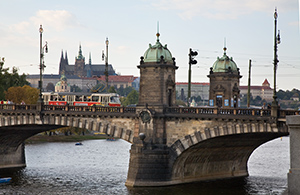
(100, 167)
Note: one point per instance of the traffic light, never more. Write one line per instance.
(192, 55)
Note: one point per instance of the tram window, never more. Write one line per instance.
(105, 99)
(114, 99)
(95, 98)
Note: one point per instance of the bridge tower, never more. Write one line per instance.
(224, 81)
(149, 154)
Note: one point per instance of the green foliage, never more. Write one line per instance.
(8, 79)
(75, 88)
(112, 90)
(124, 91)
(132, 98)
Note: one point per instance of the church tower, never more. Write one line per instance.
(224, 84)
(79, 64)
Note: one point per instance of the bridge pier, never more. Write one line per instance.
(148, 166)
(294, 173)
(13, 158)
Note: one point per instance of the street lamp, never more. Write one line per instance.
(106, 63)
(276, 42)
(192, 55)
(42, 65)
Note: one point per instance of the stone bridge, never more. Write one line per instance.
(171, 145)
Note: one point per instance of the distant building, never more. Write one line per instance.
(80, 68)
(82, 75)
(49, 79)
(295, 97)
(197, 89)
(62, 85)
(264, 91)
(122, 81)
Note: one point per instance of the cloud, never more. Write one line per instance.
(220, 9)
(57, 19)
(21, 27)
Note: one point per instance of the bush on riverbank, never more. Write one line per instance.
(40, 138)
(66, 134)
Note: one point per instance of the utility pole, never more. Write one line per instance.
(192, 55)
(249, 84)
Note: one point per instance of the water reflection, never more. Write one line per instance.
(100, 167)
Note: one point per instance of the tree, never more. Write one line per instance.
(112, 90)
(31, 95)
(15, 94)
(75, 88)
(124, 91)
(26, 93)
(50, 87)
(132, 98)
(8, 80)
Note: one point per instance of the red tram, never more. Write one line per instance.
(81, 99)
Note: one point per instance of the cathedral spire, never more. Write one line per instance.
(66, 58)
(80, 53)
(90, 59)
(61, 63)
(62, 55)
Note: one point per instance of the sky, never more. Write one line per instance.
(203, 25)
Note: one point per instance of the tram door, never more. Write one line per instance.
(219, 101)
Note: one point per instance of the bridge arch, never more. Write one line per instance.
(219, 152)
(16, 128)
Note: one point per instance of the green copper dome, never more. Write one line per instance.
(154, 53)
(224, 64)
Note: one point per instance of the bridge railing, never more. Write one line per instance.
(17, 107)
(172, 110)
(89, 109)
(218, 111)
(67, 108)
(284, 113)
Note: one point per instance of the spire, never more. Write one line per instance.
(80, 53)
(224, 46)
(62, 55)
(66, 59)
(61, 63)
(157, 34)
(90, 59)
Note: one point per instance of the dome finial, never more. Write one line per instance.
(224, 46)
(157, 34)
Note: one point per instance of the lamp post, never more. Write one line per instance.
(276, 42)
(192, 55)
(42, 65)
(106, 63)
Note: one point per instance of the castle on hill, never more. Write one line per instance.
(80, 68)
